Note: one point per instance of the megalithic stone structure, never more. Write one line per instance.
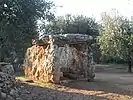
(57, 56)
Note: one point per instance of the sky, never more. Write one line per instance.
(93, 8)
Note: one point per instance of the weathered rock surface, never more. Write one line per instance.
(6, 68)
(7, 82)
(55, 55)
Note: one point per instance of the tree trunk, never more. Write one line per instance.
(129, 62)
(129, 66)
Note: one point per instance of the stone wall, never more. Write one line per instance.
(8, 91)
(57, 56)
(71, 59)
(38, 64)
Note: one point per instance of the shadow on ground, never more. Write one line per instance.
(32, 92)
(103, 88)
(74, 90)
(99, 87)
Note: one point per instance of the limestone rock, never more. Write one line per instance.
(6, 68)
(14, 93)
(9, 98)
(3, 95)
(56, 54)
(7, 82)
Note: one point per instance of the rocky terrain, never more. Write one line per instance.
(8, 89)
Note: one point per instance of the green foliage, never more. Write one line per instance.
(18, 19)
(116, 39)
(73, 24)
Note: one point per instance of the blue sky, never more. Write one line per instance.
(93, 8)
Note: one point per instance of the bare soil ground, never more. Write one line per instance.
(112, 82)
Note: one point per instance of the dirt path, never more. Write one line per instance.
(107, 86)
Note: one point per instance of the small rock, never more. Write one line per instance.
(14, 93)
(3, 95)
(18, 99)
(22, 86)
(27, 92)
(1, 84)
(9, 98)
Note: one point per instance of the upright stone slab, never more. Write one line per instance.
(55, 56)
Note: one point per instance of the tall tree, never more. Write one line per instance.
(116, 39)
(18, 24)
(73, 25)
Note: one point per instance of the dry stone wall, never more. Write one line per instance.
(57, 56)
(71, 59)
(38, 63)
(8, 91)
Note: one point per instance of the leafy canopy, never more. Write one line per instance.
(73, 24)
(116, 39)
(18, 23)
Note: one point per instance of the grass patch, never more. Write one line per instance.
(41, 84)
(21, 78)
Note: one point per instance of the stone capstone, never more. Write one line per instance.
(56, 56)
